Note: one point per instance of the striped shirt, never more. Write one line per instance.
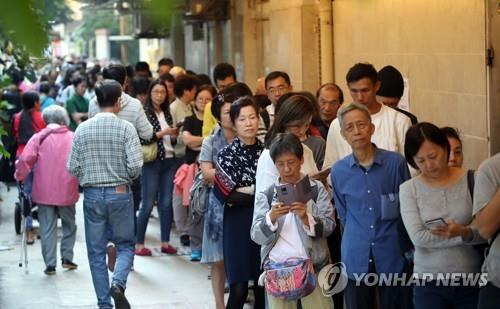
(106, 152)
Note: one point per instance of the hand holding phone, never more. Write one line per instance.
(436, 223)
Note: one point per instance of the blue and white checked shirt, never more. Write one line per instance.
(106, 152)
(369, 240)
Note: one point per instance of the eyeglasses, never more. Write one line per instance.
(158, 92)
(278, 90)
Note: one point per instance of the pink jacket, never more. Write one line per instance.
(183, 180)
(52, 183)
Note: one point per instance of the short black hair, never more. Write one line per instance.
(451, 133)
(360, 71)
(223, 70)
(204, 79)
(107, 92)
(331, 86)
(262, 100)
(167, 78)
(185, 82)
(228, 95)
(115, 72)
(78, 80)
(239, 104)
(166, 61)
(141, 85)
(285, 143)
(142, 66)
(44, 87)
(277, 74)
(417, 134)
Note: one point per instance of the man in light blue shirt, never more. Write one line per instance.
(366, 186)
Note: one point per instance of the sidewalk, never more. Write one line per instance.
(160, 281)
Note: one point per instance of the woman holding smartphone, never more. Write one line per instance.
(436, 207)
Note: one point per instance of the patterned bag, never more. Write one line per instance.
(290, 280)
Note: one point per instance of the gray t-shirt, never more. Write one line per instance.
(436, 254)
(486, 185)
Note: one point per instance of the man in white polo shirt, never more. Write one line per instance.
(391, 126)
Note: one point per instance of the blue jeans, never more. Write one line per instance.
(489, 297)
(157, 177)
(103, 208)
(441, 297)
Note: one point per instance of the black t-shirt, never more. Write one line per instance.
(192, 125)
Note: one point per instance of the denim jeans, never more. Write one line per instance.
(489, 297)
(441, 297)
(47, 216)
(103, 207)
(157, 177)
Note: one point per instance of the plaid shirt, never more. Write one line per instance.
(106, 152)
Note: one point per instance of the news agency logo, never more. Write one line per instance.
(332, 279)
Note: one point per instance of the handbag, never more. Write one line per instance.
(290, 280)
(149, 152)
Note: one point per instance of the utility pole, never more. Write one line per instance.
(123, 49)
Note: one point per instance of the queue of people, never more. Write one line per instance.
(385, 194)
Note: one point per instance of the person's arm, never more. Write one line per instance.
(73, 165)
(419, 234)
(403, 123)
(332, 143)
(78, 118)
(208, 171)
(487, 220)
(486, 201)
(133, 153)
(261, 232)
(324, 215)
(192, 141)
(339, 201)
(28, 158)
(143, 126)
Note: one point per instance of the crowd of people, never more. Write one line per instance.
(380, 192)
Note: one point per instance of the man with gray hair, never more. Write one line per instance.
(55, 191)
(365, 188)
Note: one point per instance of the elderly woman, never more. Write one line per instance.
(436, 208)
(55, 191)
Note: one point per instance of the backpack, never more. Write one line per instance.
(482, 249)
(198, 195)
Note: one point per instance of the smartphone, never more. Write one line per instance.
(434, 223)
(179, 124)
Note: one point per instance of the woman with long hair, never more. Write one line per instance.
(26, 123)
(293, 115)
(158, 176)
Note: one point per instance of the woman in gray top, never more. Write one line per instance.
(436, 208)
